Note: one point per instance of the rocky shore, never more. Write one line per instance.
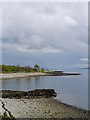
(41, 108)
(38, 106)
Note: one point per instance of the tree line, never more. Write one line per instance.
(18, 68)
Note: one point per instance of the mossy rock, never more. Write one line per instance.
(6, 117)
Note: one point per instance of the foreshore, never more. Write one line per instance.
(24, 106)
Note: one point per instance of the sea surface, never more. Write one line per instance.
(70, 89)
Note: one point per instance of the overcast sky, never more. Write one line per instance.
(53, 35)
(45, 0)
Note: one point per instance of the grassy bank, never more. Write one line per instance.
(22, 69)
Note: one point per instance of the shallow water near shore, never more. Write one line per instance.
(70, 89)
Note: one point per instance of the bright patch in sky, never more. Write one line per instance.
(70, 21)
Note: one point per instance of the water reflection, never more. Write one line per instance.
(37, 81)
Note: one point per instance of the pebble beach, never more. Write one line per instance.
(41, 108)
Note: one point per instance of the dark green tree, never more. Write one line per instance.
(36, 66)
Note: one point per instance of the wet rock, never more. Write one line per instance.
(37, 93)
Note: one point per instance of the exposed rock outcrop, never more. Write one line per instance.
(37, 93)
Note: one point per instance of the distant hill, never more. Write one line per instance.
(85, 68)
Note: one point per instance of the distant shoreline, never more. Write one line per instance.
(35, 74)
(21, 75)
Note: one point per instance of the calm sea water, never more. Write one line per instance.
(70, 89)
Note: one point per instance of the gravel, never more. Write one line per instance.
(42, 108)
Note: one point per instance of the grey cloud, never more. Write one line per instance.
(37, 27)
(46, 1)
